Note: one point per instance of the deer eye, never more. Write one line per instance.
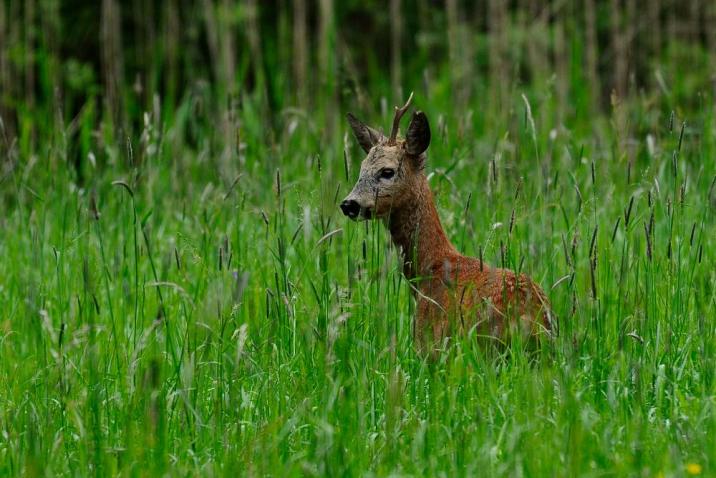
(387, 173)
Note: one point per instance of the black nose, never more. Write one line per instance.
(350, 208)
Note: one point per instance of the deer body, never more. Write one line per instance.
(454, 293)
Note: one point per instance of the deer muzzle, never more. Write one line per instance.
(350, 208)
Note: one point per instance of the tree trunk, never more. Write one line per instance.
(172, 40)
(396, 32)
(300, 51)
(112, 64)
(618, 50)
(327, 63)
(460, 56)
(592, 54)
(561, 66)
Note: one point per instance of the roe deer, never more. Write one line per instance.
(453, 292)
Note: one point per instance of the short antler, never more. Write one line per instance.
(399, 112)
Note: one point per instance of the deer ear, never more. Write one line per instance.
(417, 139)
(367, 137)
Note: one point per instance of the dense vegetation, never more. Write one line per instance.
(181, 295)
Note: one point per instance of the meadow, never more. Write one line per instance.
(181, 295)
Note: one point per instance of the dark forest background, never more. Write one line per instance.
(61, 60)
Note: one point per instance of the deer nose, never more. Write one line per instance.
(350, 208)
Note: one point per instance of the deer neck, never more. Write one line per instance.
(416, 230)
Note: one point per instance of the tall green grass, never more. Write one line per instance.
(169, 317)
(183, 297)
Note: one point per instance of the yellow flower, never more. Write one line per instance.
(693, 469)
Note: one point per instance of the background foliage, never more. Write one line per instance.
(181, 295)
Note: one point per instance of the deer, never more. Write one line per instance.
(454, 293)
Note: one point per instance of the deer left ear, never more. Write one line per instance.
(367, 137)
(417, 138)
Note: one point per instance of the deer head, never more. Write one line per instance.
(392, 165)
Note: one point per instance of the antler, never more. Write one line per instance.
(399, 112)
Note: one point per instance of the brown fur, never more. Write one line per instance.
(454, 293)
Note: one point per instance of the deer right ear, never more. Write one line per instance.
(417, 139)
(367, 137)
